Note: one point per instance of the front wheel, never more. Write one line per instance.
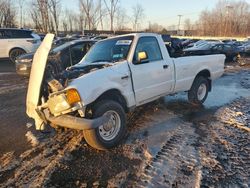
(199, 91)
(111, 133)
(15, 53)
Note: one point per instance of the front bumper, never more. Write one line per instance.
(23, 69)
(78, 123)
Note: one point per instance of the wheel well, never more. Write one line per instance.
(205, 74)
(114, 95)
(16, 48)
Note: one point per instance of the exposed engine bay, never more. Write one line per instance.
(56, 80)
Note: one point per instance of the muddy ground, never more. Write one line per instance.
(170, 143)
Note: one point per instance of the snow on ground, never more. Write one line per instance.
(169, 144)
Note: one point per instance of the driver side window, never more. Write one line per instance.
(151, 47)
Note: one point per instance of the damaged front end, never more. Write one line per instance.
(49, 101)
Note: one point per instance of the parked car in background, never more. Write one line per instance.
(214, 41)
(187, 42)
(201, 48)
(62, 56)
(61, 41)
(14, 42)
(100, 37)
(230, 51)
(41, 36)
(193, 44)
(229, 40)
(176, 43)
(246, 47)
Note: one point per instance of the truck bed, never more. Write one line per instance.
(186, 68)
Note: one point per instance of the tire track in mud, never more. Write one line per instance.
(175, 164)
(34, 167)
(227, 158)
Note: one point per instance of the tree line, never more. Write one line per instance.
(49, 15)
(228, 18)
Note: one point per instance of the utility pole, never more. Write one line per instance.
(179, 22)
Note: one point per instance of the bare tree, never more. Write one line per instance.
(55, 8)
(228, 18)
(40, 15)
(138, 14)
(111, 6)
(121, 20)
(155, 28)
(93, 12)
(21, 2)
(101, 13)
(68, 22)
(87, 6)
(7, 14)
(187, 24)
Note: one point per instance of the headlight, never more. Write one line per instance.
(72, 96)
(25, 60)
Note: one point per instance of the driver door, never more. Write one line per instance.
(153, 76)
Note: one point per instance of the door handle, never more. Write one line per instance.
(125, 77)
(165, 66)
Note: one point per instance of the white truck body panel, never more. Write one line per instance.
(186, 69)
(91, 86)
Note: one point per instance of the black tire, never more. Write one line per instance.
(94, 138)
(15, 53)
(193, 93)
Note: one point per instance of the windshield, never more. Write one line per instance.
(61, 47)
(111, 50)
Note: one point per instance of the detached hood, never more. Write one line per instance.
(36, 78)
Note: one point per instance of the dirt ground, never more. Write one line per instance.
(170, 143)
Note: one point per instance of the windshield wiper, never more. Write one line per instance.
(97, 61)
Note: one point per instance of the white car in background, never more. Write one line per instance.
(14, 42)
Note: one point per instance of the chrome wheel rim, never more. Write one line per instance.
(111, 129)
(202, 90)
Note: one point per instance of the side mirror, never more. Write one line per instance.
(142, 57)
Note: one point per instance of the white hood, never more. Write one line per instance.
(36, 78)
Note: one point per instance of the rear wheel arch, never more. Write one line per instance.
(17, 48)
(206, 74)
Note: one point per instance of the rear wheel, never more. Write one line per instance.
(199, 91)
(15, 53)
(111, 133)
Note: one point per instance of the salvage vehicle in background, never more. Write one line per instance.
(230, 51)
(62, 41)
(116, 76)
(60, 57)
(201, 48)
(14, 42)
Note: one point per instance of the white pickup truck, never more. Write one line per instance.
(116, 76)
